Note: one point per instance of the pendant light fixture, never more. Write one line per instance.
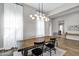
(40, 14)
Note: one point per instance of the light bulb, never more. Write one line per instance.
(31, 16)
(36, 15)
(46, 19)
(40, 16)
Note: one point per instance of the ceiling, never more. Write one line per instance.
(54, 9)
(47, 7)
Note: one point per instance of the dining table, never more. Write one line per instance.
(27, 44)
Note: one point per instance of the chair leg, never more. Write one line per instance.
(32, 54)
(55, 50)
(45, 49)
(22, 53)
(42, 54)
(57, 44)
(50, 52)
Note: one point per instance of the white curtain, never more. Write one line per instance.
(13, 24)
(40, 26)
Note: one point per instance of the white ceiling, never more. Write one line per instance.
(46, 6)
(54, 9)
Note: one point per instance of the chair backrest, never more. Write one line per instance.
(23, 51)
(53, 40)
(39, 44)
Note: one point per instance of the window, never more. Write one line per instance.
(40, 27)
(13, 25)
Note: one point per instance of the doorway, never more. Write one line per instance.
(61, 28)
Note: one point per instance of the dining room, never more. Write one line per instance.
(39, 29)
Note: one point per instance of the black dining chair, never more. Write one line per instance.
(38, 50)
(51, 45)
(24, 51)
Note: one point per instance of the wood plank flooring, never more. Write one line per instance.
(71, 46)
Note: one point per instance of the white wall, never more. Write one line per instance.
(69, 19)
(1, 24)
(29, 24)
(48, 28)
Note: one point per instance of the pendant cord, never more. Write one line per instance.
(42, 9)
(39, 9)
